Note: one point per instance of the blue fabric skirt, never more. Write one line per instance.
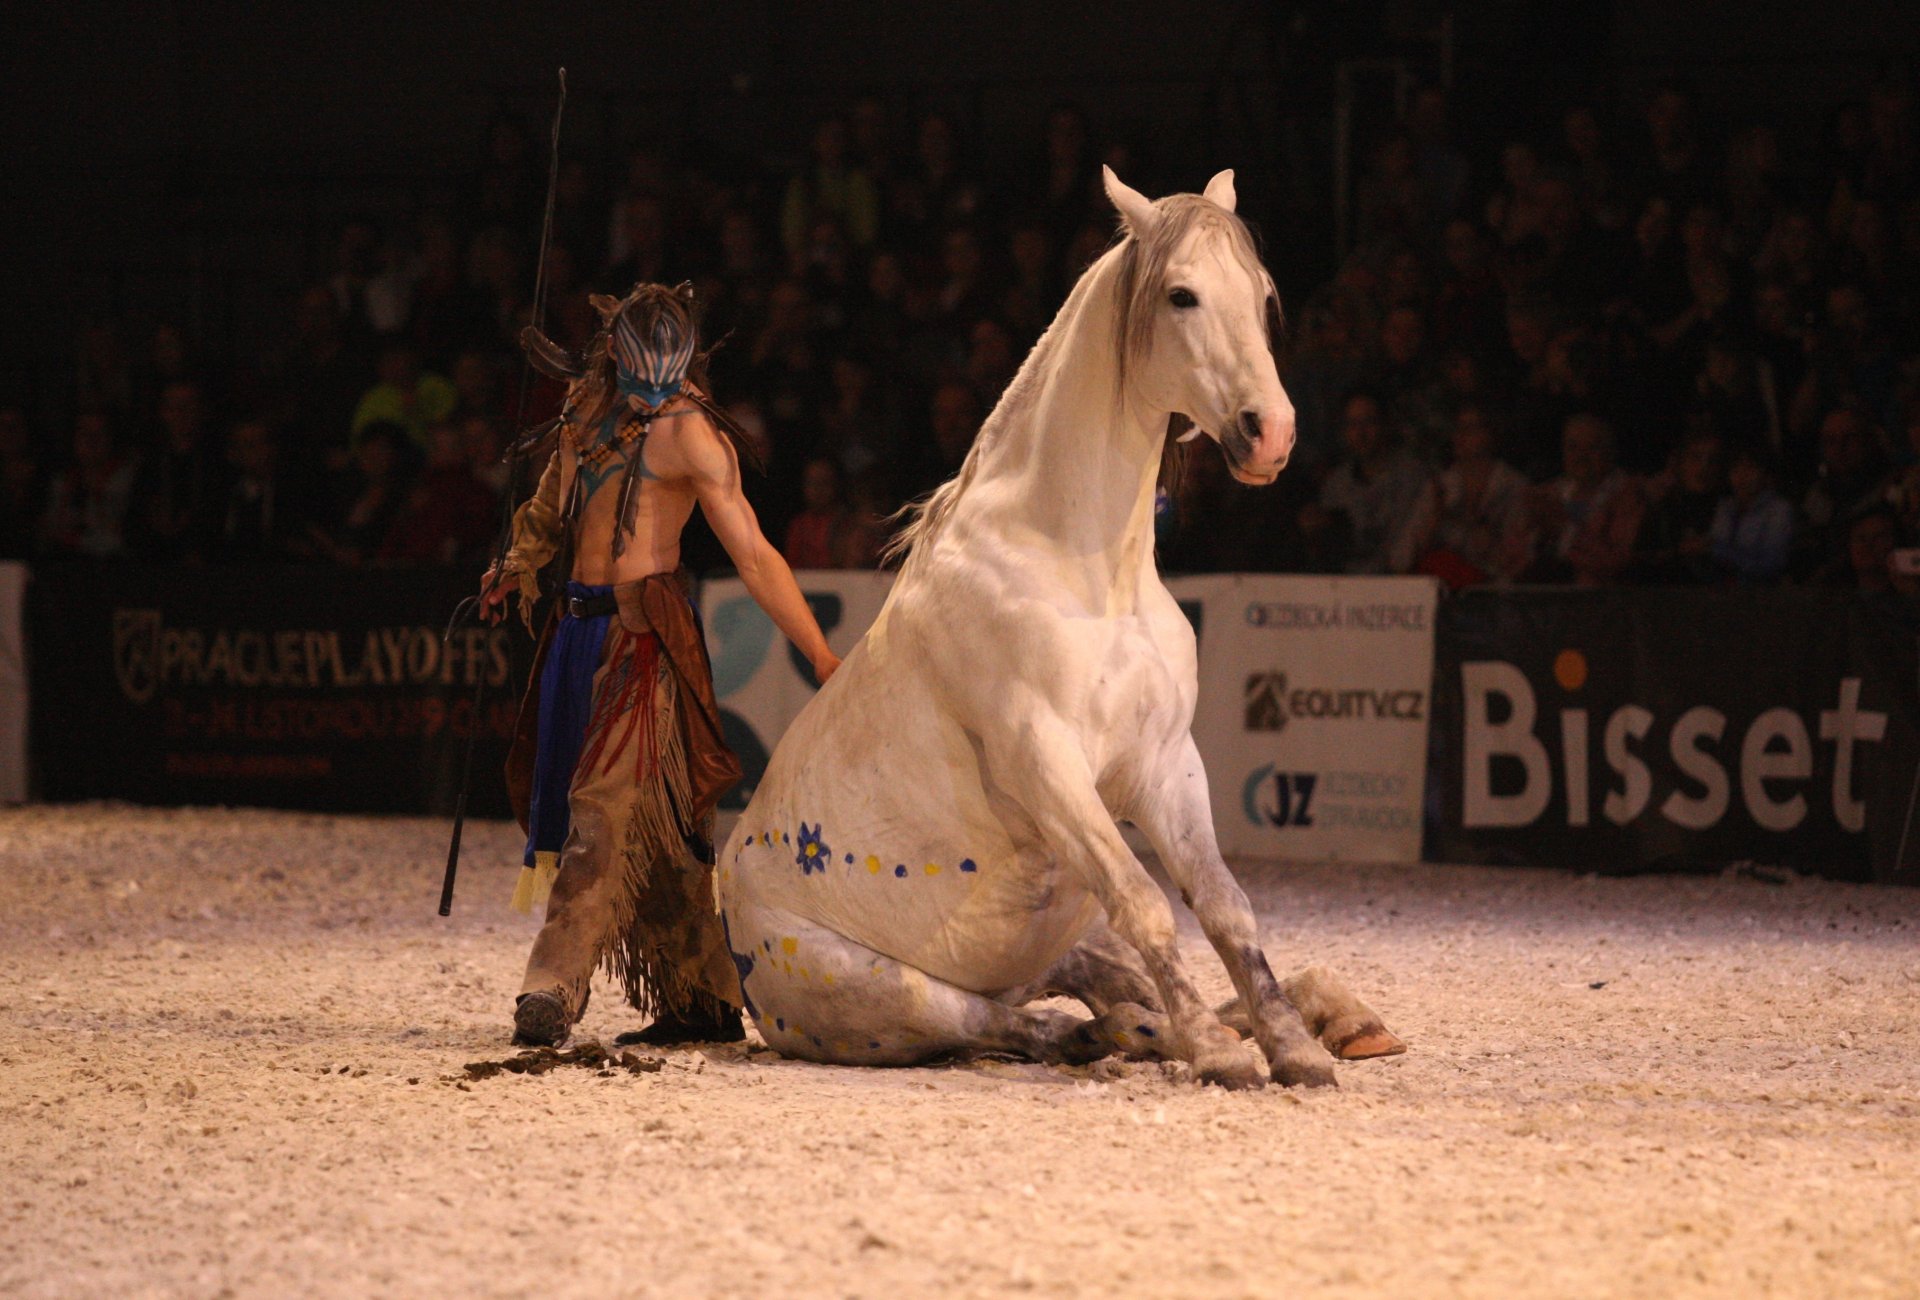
(566, 704)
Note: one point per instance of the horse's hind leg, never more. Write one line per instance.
(819, 996)
(1103, 971)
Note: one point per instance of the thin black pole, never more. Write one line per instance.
(470, 607)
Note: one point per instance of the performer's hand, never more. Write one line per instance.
(493, 596)
(824, 666)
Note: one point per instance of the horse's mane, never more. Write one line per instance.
(1141, 271)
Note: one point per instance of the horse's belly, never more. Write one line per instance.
(986, 918)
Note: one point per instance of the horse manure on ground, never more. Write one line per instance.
(540, 1060)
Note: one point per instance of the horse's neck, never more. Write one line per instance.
(1069, 466)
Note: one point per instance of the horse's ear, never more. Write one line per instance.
(605, 304)
(1220, 189)
(1135, 208)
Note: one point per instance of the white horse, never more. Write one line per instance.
(935, 843)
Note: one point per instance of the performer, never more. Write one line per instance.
(619, 762)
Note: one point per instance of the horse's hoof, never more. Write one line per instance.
(1363, 1043)
(540, 1020)
(1305, 1066)
(1235, 1071)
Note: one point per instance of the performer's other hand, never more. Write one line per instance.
(823, 666)
(493, 596)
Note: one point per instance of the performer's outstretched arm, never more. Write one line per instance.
(535, 538)
(714, 470)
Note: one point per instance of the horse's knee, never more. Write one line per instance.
(1141, 915)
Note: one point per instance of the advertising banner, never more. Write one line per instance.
(13, 684)
(1635, 729)
(761, 681)
(291, 688)
(1312, 715)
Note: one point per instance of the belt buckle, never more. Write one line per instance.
(576, 607)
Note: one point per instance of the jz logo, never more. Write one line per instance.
(1279, 799)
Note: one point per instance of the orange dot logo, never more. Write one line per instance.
(1570, 670)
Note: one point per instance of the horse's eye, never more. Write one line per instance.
(1183, 298)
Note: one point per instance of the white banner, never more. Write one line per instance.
(13, 684)
(1312, 717)
(763, 682)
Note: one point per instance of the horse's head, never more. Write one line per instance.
(1198, 322)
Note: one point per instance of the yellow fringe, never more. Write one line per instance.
(536, 882)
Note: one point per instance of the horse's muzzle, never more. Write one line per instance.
(1243, 444)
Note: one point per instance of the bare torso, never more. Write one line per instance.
(665, 502)
(684, 461)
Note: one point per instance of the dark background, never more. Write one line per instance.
(187, 161)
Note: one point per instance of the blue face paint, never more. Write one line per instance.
(651, 396)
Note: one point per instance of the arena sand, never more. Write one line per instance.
(231, 1063)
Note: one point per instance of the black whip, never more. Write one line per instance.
(470, 608)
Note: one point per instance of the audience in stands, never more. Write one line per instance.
(1618, 349)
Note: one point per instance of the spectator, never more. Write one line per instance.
(1596, 176)
(1468, 313)
(1903, 486)
(378, 493)
(1460, 516)
(177, 495)
(991, 358)
(476, 387)
(320, 380)
(742, 266)
(405, 396)
(1437, 160)
(1580, 527)
(1730, 398)
(953, 419)
(1029, 301)
(261, 520)
(449, 313)
(1367, 496)
(871, 127)
(103, 377)
(486, 453)
(868, 516)
(816, 538)
(858, 428)
(1405, 379)
(1672, 165)
(1846, 480)
(644, 228)
(22, 486)
(448, 517)
(832, 186)
(1326, 366)
(963, 296)
(1675, 542)
(1753, 526)
(935, 193)
(87, 501)
(1392, 206)
(1865, 565)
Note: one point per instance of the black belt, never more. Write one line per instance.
(593, 606)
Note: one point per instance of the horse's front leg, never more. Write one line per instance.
(1178, 818)
(1056, 788)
